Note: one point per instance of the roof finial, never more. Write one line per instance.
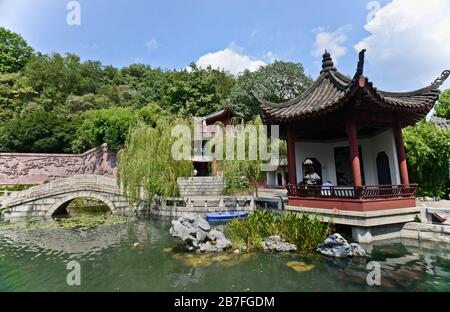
(327, 62)
(360, 68)
(441, 79)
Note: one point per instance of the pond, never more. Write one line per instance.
(138, 254)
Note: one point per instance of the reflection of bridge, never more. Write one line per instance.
(54, 197)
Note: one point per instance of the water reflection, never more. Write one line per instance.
(138, 254)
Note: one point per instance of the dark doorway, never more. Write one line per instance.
(383, 169)
(279, 179)
(202, 169)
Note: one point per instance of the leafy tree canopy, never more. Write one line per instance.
(276, 82)
(146, 166)
(14, 51)
(110, 126)
(428, 154)
(443, 105)
(37, 131)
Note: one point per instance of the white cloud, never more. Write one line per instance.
(333, 41)
(271, 56)
(409, 41)
(152, 45)
(231, 59)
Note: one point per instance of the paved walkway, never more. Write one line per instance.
(443, 203)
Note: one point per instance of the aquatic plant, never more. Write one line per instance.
(304, 231)
(82, 222)
(16, 188)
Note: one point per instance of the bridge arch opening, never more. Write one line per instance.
(65, 205)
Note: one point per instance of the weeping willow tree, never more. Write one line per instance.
(146, 166)
(247, 151)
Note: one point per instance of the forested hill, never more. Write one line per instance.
(57, 103)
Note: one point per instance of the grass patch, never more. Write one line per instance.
(299, 229)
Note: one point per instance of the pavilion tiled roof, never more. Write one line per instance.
(441, 122)
(332, 89)
(227, 110)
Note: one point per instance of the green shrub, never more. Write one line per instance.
(299, 229)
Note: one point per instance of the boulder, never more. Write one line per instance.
(197, 234)
(276, 243)
(337, 246)
(335, 239)
(357, 250)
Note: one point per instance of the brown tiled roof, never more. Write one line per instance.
(441, 122)
(227, 110)
(331, 90)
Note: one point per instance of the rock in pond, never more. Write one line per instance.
(299, 266)
(337, 246)
(276, 243)
(197, 234)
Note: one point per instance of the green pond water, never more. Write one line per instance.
(138, 254)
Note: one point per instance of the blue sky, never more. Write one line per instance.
(406, 48)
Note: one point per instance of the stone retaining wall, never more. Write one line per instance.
(19, 168)
(200, 186)
(201, 205)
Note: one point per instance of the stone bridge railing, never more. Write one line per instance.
(52, 197)
(90, 182)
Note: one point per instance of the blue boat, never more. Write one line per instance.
(224, 216)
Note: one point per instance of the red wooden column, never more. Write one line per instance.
(352, 134)
(401, 153)
(292, 168)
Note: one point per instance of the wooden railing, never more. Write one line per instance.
(353, 192)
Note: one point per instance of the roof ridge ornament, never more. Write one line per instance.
(327, 63)
(360, 68)
(441, 79)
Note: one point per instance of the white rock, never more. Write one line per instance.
(197, 234)
(337, 246)
(276, 243)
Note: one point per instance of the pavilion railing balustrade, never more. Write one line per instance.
(352, 192)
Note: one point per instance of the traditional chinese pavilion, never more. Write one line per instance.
(352, 133)
(205, 165)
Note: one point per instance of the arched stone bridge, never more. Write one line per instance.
(53, 197)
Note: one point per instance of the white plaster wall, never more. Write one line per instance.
(272, 178)
(324, 153)
(383, 142)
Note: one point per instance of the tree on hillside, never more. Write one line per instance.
(197, 92)
(37, 131)
(13, 96)
(14, 51)
(110, 126)
(428, 154)
(443, 105)
(276, 82)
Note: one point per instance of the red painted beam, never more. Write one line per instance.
(352, 134)
(292, 168)
(401, 153)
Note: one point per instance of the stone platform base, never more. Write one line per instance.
(428, 232)
(369, 226)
